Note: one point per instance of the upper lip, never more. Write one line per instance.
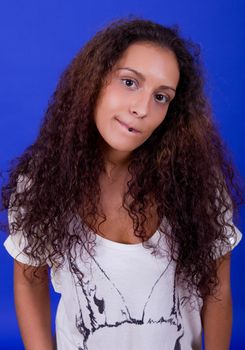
(127, 125)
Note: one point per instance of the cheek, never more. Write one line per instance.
(112, 99)
(157, 116)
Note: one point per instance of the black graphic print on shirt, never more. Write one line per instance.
(97, 299)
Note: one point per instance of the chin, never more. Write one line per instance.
(121, 147)
(126, 150)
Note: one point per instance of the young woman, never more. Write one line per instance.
(127, 196)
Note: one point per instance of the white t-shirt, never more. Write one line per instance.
(123, 297)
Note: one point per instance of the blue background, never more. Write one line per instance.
(39, 38)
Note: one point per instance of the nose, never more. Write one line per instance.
(139, 107)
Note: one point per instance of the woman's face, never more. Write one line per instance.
(136, 96)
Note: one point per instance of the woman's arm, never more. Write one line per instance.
(32, 304)
(217, 314)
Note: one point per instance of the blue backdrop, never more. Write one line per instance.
(38, 40)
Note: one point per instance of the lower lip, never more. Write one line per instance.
(128, 128)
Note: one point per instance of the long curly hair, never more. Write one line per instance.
(184, 166)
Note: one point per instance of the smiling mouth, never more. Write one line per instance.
(128, 127)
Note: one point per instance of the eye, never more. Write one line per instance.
(162, 98)
(129, 82)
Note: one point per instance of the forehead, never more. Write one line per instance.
(152, 61)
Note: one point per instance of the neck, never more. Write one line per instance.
(116, 163)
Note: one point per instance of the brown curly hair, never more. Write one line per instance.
(183, 166)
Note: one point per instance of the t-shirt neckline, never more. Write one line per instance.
(124, 246)
(100, 240)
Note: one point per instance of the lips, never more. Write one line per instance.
(128, 126)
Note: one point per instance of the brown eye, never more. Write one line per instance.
(129, 82)
(162, 98)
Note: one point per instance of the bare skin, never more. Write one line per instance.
(136, 93)
(217, 313)
(32, 303)
(119, 226)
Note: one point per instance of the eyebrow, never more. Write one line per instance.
(141, 76)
